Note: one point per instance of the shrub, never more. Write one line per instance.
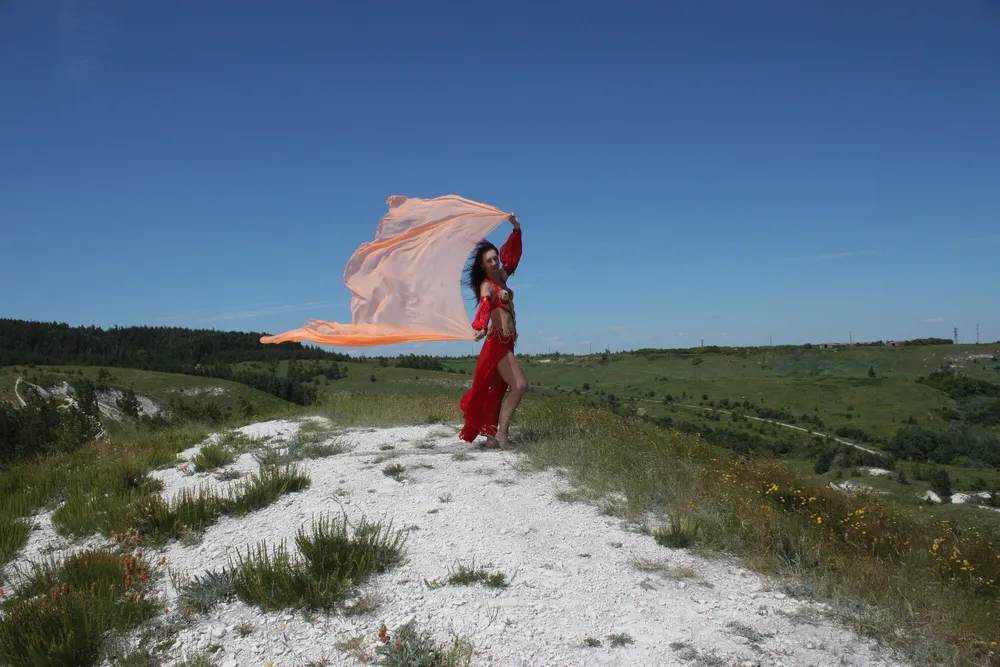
(941, 484)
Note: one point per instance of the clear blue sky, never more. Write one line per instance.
(725, 171)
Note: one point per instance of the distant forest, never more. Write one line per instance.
(167, 349)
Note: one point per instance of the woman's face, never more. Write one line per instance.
(491, 262)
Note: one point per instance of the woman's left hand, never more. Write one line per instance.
(514, 221)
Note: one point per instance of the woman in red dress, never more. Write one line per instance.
(486, 411)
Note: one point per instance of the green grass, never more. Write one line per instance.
(395, 471)
(332, 562)
(312, 444)
(465, 575)
(64, 611)
(679, 533)
(212, 457)
(137, 505)
(408, 647)
(266, 486)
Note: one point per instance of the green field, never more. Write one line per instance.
(159, 387)
(831, 384)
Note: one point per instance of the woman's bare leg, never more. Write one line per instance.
(510, 371)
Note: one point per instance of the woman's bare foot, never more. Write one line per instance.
(503, 440)
(491, 443)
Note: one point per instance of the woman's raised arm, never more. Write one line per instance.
(510, 251)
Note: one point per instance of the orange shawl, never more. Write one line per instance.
(406, 284)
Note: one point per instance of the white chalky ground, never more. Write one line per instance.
(572, 570)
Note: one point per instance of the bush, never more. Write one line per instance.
(42, 427)
(823, 461)
(941, 484)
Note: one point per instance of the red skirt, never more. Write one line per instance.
(481, 404)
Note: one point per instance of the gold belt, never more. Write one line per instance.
(505, 332)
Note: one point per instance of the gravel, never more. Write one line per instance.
(572, 571)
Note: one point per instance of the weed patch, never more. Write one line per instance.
(331, 563)
(63, 612)
(407, 647)
(465, 575)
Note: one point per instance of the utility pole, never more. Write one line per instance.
(703, 342)
(977, 333)
(955, 332)
(590, 348)
(770, 341)
(850, 337)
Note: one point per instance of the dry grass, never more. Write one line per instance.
(885, 569)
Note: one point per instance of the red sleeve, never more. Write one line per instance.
(482, 315)
(510, 252)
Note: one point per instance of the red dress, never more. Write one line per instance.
(481, 404)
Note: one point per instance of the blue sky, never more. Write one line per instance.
(726, 171)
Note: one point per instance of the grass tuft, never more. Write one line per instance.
(213, 456)
(332, 562)
(620, 639)
(407, 647)
(204, 592)
(678, 534)
(306, 446)
(395, 471)
(465, 575)
(267, 485)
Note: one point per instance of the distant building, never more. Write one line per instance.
(834, 346)
(894, 343)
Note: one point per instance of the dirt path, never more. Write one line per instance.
(18, 394)
(771, 421)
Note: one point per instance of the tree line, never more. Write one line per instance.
(166, 349)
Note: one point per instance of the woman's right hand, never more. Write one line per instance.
(479, 335)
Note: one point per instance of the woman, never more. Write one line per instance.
(486, 411)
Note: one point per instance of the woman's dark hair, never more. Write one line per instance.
(475, 274)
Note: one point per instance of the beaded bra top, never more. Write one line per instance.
(503, 298)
